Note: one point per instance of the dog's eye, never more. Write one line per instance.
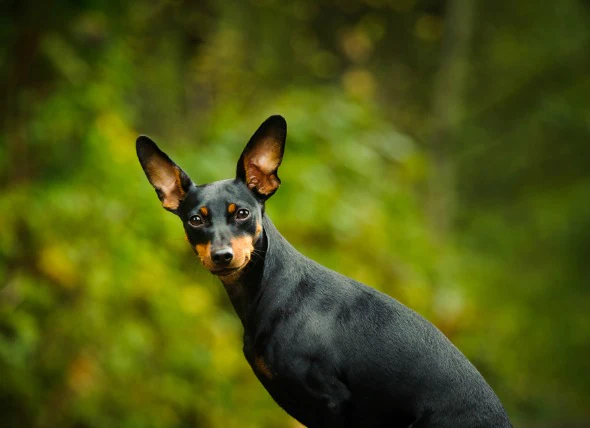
(195, 221)
(242, 214)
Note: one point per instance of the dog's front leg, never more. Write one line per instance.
(326, 386)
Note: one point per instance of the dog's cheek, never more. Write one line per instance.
(242, 247)
(204, 253)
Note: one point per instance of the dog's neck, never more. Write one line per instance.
(272, 258)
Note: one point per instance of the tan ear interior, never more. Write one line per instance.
(261, 164)
(166, 178)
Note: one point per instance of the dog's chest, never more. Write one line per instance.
(263, 362)
(283, 375)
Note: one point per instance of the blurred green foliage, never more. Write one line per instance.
(106, 319)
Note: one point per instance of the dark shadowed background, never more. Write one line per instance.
(438, 151)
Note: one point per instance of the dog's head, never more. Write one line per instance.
(222, 220)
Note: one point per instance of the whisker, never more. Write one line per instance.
(257, 254)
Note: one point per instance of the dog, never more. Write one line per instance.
(331, 351)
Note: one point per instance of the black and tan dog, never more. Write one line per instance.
(331, 351)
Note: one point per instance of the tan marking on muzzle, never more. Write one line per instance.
(242, 247)
(204, 253)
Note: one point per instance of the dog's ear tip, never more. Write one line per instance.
(277, 120)
(143, 139)
(145, 145)
(274, 125)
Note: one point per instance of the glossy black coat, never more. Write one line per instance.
(342, 354)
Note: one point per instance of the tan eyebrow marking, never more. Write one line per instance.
(231, 208)
(204, 211)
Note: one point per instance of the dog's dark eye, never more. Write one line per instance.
(195, 221)
(242, 214)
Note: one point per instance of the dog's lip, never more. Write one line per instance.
(228, 270)
(225, 271)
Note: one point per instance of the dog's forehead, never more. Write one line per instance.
(219, 194)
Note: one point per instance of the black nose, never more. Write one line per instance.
(223, 256)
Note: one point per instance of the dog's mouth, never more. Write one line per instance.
(227, 271)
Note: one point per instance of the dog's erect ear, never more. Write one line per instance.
(171, 182)
(262, 156)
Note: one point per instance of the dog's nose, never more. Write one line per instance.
(223, 256)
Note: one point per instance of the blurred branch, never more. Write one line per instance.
(554, 77)
(24, 51)
(448, 97)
